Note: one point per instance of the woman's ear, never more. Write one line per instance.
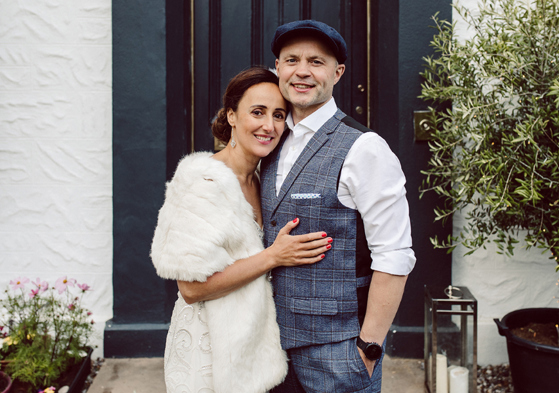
(231, 117)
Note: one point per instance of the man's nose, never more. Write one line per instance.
(302, 69)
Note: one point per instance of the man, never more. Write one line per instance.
(338, 177)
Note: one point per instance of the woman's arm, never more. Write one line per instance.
(287, 250)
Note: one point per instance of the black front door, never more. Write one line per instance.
(231, 35)
(171, 61)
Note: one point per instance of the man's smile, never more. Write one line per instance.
(301, 87)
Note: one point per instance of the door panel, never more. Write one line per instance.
(232, 35)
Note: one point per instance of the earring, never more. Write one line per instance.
(233, 143)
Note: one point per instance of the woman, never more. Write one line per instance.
(223, 335)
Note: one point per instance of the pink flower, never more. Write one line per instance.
(71, 307)
(84, 287)
(88, 314)
(19, 282)
(63, 282)
(34, 293)
(42, 286)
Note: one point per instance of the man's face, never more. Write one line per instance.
(307, 72)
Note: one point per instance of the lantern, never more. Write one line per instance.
(450, 354)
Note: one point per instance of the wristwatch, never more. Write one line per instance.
(372, 351)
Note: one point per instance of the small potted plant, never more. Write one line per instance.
(5, 382)
(45, 333)
(495, 148)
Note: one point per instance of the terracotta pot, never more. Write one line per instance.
(5, 377)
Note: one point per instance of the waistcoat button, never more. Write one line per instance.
(273, 223)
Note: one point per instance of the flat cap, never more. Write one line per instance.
(328, 35)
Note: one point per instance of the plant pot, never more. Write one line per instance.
(534, 367)
(82, 372)
(74, 377)
(5, 382)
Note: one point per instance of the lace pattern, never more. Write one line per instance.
(188, 351)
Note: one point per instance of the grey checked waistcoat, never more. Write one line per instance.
(324, 302)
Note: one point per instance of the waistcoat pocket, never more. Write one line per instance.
(307, 201)
(314, 306)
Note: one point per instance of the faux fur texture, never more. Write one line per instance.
(205, 225)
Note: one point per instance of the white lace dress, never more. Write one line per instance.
(188, 352)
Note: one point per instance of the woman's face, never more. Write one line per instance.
(259, 120)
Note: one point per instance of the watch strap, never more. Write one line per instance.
(366, 347)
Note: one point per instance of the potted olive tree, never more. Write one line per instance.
(495, 145)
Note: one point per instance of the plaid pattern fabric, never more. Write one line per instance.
(335, 367)
(315, 304)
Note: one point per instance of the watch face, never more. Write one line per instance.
(373, 351)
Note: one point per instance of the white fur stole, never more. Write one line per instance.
(205, 225)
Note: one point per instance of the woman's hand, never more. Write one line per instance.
(287, 250)
(298, 250)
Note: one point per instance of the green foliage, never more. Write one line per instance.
(43, 331)
(495, 149)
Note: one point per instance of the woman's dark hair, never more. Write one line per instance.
(233, 95)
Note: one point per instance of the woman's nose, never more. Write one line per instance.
(268, 124)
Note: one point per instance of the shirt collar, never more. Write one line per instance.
(315, 120)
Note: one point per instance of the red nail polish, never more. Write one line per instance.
(324, 235)
(295, 220)
(322, 256)
(330, 240)
(328, 247)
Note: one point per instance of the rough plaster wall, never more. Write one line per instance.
(501, 284)
(55, 145)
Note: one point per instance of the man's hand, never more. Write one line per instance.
(370, 364)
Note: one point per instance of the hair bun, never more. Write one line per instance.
(220, 126)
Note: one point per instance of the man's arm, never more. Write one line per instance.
(372, 182)
(385, 294)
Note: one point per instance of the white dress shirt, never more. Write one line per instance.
(371, 181)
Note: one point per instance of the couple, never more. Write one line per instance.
(330, 208)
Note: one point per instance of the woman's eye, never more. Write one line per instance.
(279, 116)
(257, 112)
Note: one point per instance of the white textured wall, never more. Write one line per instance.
(501, 284)
(55, 145)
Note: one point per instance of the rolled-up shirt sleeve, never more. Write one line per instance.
(372, 182)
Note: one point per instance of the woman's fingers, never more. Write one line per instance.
(313, 253)
(307, 237)
(303, 249)
(308, 252)
(288, 227)
(312, 244)
(310, 261)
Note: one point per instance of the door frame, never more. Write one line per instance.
(151, 126)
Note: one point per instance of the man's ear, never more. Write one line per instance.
(231, 117)
(340, 69)
(277, 62)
